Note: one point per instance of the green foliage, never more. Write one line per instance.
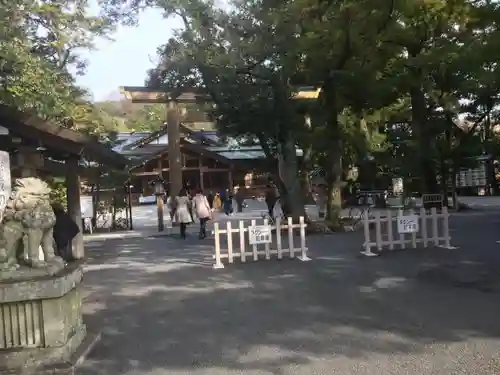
(39, 52)
(397, 77)
(58, 192)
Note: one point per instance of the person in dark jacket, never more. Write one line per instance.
(210, 198)
(222, 196)
(271, 198)
(228, 202)
(64, 232)
(239, 197)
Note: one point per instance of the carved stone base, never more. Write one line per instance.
(41, 324)
(24, 272)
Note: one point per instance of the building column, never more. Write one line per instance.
(174, 148)
(230, 177)
(159, 198)
(74, 211)
(200, 169)
(28, 160)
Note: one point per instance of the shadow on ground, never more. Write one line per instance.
(164, 310)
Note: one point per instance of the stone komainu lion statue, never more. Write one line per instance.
(27, 224)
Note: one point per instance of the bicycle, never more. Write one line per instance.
(356, 214)
(272, 219)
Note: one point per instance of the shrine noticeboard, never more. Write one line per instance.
(86, 206)
(5, 180)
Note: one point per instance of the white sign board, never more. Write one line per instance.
(408, 224)
(86, 206)
(397, 186)
(259, 234)
(5, 181)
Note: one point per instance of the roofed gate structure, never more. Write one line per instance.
(180, 154)
(41, 324)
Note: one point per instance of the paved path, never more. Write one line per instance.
(146, 224)
(164, 310)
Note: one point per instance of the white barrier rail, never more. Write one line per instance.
(249, 250)
(411, 230)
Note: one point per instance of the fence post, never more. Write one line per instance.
(242, 242)
(303, 247)
(367, 245)
(254, 247)
(218, 263)
(423, 220)
(278, 238)
(229, 234)
(291, 246)
(267, 249)
(378, 231)
(402, 237)
(414, 234)
(446, 230)
(390, 233)
(435, 228)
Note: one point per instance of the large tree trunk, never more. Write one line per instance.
(333, 168)
(427, 173)
(306, 165)
(292, 201)
(305, 185)
(334, 183)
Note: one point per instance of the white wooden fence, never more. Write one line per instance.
(274, 246)
(412, 229)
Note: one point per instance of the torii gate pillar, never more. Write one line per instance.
(174, 149)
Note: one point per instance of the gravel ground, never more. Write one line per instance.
(164, 310)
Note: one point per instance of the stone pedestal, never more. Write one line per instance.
(41, 326)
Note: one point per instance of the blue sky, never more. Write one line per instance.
(124, 61)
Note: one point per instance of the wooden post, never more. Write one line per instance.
(230, 177)
(159, 198)
(74, 211)
(200, 168)
(28, 160)
(159, 205)
(174, 149)
(129, 208)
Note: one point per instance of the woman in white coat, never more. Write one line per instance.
(201, 208)
(182, 211)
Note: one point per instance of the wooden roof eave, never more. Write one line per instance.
(58, 138)
(204, 152)
(198, 149)
(157, 134)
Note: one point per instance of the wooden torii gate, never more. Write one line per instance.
(138, 94)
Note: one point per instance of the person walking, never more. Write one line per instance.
(217, 203)
(240, 199)
(182, 211)
(228, 202)
(271, 198)
(210, 198)
(201, 208)
(223, 197)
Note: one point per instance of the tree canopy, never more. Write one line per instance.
(40, 54)
(410, 86)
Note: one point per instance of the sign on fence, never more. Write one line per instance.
(408, 224)
(259, 234)
(413, 230)
(262, 244)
